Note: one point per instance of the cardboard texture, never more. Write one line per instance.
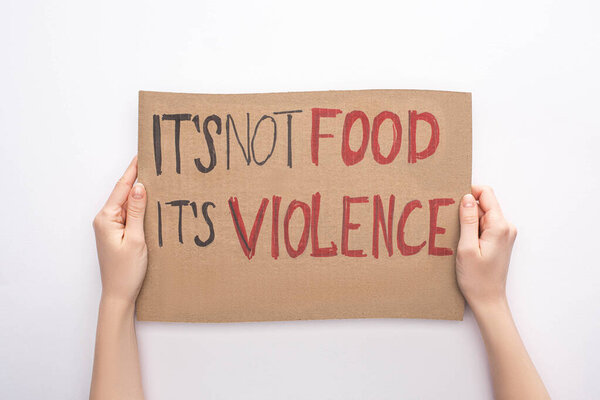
(278, 206)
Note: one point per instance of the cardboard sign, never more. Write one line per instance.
(316, 205)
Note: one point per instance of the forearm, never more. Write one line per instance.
(513, 373)
(116, 373)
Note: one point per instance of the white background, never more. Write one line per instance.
(70, 73)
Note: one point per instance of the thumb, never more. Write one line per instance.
(136, 208)
(469, 223)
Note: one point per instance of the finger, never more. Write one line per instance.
(124, 213)
(136, 208)
(487, 199)
(119, 194)
(469, 224)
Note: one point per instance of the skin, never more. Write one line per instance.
(482, 261)
(123, 258)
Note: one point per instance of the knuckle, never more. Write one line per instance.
(99, 220)
(487, 188)
(470, 219)
(121, 182)
(122, 185)
(135, 211)
(96, 222)
(513, 231)
(503, 228)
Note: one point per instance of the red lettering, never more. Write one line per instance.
(350, 156)
(248, 245)
(436, 230)
(382, 225)
(413, 117)
(314, 229)
(397, 127)
(347, 226)
(305, 230)
(379, 219)
(317, 114)
(275, 228)
(404, 248)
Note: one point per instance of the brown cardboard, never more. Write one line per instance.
(219, 282)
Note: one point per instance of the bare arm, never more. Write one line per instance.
(122, 255)
(483, 256)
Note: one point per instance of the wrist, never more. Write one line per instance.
(116, 304)
(483, 309)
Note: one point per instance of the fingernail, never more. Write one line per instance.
(138, 191)
(468, 201)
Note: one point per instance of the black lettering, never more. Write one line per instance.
(274, 139)
(289, 133)
(227, 125)
(177, 118)
(180, 204)
(211, 235)
(160, 242)
(209, 142)
(157, 148)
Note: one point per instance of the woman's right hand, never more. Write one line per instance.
(119, 228)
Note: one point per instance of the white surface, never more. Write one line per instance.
(70, 73)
